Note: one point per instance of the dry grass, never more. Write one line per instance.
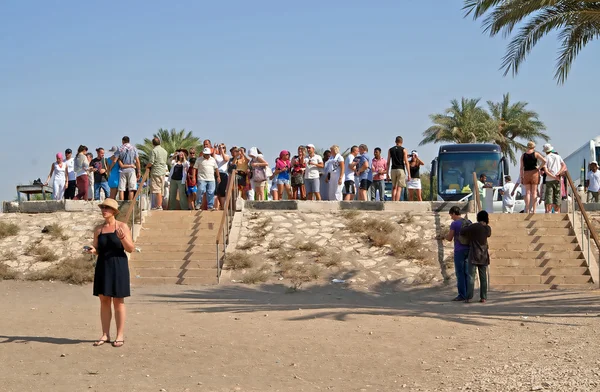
(442, 233)
(257, 234)
(254, 216)
(8, 229)
(350, 214)
(332, 260)
(378, 238)
(283, 255)
(275, 244)
(74, 271)
(424, 277)
(263, 224)
(55, 231)
(238, 260)
(410, 250)
(247, 245)
(7, 273)
(308, 246)
(301, 274)
(258, 275)
(9, 255)
(41, 252)
(406, 218)
(371, 224)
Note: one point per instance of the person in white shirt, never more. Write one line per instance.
(508, 196)
(592, 183)
(208, 176)
(314, 162)
(349, 183)
(336, 174)
(555, 167)
(72, 181)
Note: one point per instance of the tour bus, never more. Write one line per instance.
(578, 162)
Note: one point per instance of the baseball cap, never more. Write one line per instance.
(310, 146)
(68, 151)
(548, 147)
(206, 151)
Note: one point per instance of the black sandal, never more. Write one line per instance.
(100, 342)
(116, 343)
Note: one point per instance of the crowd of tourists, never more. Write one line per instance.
(187, 180)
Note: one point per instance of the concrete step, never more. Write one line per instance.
(537, 279)
(541, 271)
(543, 231)
(526, 217)
(159, 242)
(180, 264)
(183, 225)
(175, 272)
(546, 263)
(175, 256)
(177, 233)
(510, 225)
(525, 246)
(205, 280)
(540, 287)
(494, 241)
(511, 254)
(209, 248)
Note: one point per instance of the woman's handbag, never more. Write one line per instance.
(259, 174)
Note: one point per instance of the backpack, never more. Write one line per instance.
(127, 156)
(462, 238)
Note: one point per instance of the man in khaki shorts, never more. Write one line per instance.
(129, 169)
(397, 163)
(158, 167)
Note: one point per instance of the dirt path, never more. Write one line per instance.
(331, 338)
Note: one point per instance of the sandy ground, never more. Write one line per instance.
(326, 337)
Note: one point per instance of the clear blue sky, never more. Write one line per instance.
(269, 73)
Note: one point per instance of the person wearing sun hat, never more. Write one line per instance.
(111, 276)
(555, 167)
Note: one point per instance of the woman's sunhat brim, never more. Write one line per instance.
(110, 203)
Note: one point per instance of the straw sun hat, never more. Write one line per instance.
(110, 203)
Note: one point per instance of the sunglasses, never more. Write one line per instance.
(105, 208)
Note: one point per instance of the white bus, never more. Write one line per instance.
(578, 162)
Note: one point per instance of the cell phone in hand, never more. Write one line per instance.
(87, 248)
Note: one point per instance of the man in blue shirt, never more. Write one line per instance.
(362, 168)
(461, 254)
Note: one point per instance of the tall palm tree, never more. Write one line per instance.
(464, 122)
(577, 21)
(514, 124)
(170, 141)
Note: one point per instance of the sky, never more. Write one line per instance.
(267, 73)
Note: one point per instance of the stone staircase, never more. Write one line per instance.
(536, 252)
(177, 247)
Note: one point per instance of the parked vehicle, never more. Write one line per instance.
(578, 161)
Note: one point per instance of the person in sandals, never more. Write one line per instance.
(479, 255)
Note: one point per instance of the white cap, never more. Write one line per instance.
(310, 145)
(206, 151)
(548, 147)
(253, 152)
(594, 163)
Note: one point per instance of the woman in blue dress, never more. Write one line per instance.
(113, 170)
(111, 278)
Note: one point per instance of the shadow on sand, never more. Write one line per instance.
(41, 339)
(340, 302)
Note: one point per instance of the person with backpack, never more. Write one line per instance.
(461, 251)
(177, 182)
(479, 256)
(129, 169)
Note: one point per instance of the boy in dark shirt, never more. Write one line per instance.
(479, 256)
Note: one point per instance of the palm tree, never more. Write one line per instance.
(577, 23)
(463, 122)
(170, 140)
(514, 124)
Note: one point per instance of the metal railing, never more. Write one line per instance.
(586, 227)
(231, 196)
(130, 214)
(476, 196)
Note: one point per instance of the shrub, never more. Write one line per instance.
(350, 214)
(283, 255)
(41, 252)
(9, 255)
(275, 244)
(258, 275)
(411, 249)
(238, 260)
(55, 231)
(378, 238)
(7, 273)
(247, 245)
(8, 229)
(262, 225)
(406, 218)
(75, 271)
(371, 224)
(332, 260)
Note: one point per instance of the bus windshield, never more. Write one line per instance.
(455, 171)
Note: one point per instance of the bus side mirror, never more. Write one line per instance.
(505, 164)
(433, 171)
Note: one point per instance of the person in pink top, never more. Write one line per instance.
(379, 168)
(283, 166)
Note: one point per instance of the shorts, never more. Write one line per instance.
(282, 182)
(297, 180)
(127, 181)
(365, 184)
(157, 184)
(531, 177)
(398, 178)
(221, 190)
(192, 189)
(552, 193)
(312, 185)
(414, 183)
(595, 196)
(241, 179)
(259, 184)
(349, 188)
